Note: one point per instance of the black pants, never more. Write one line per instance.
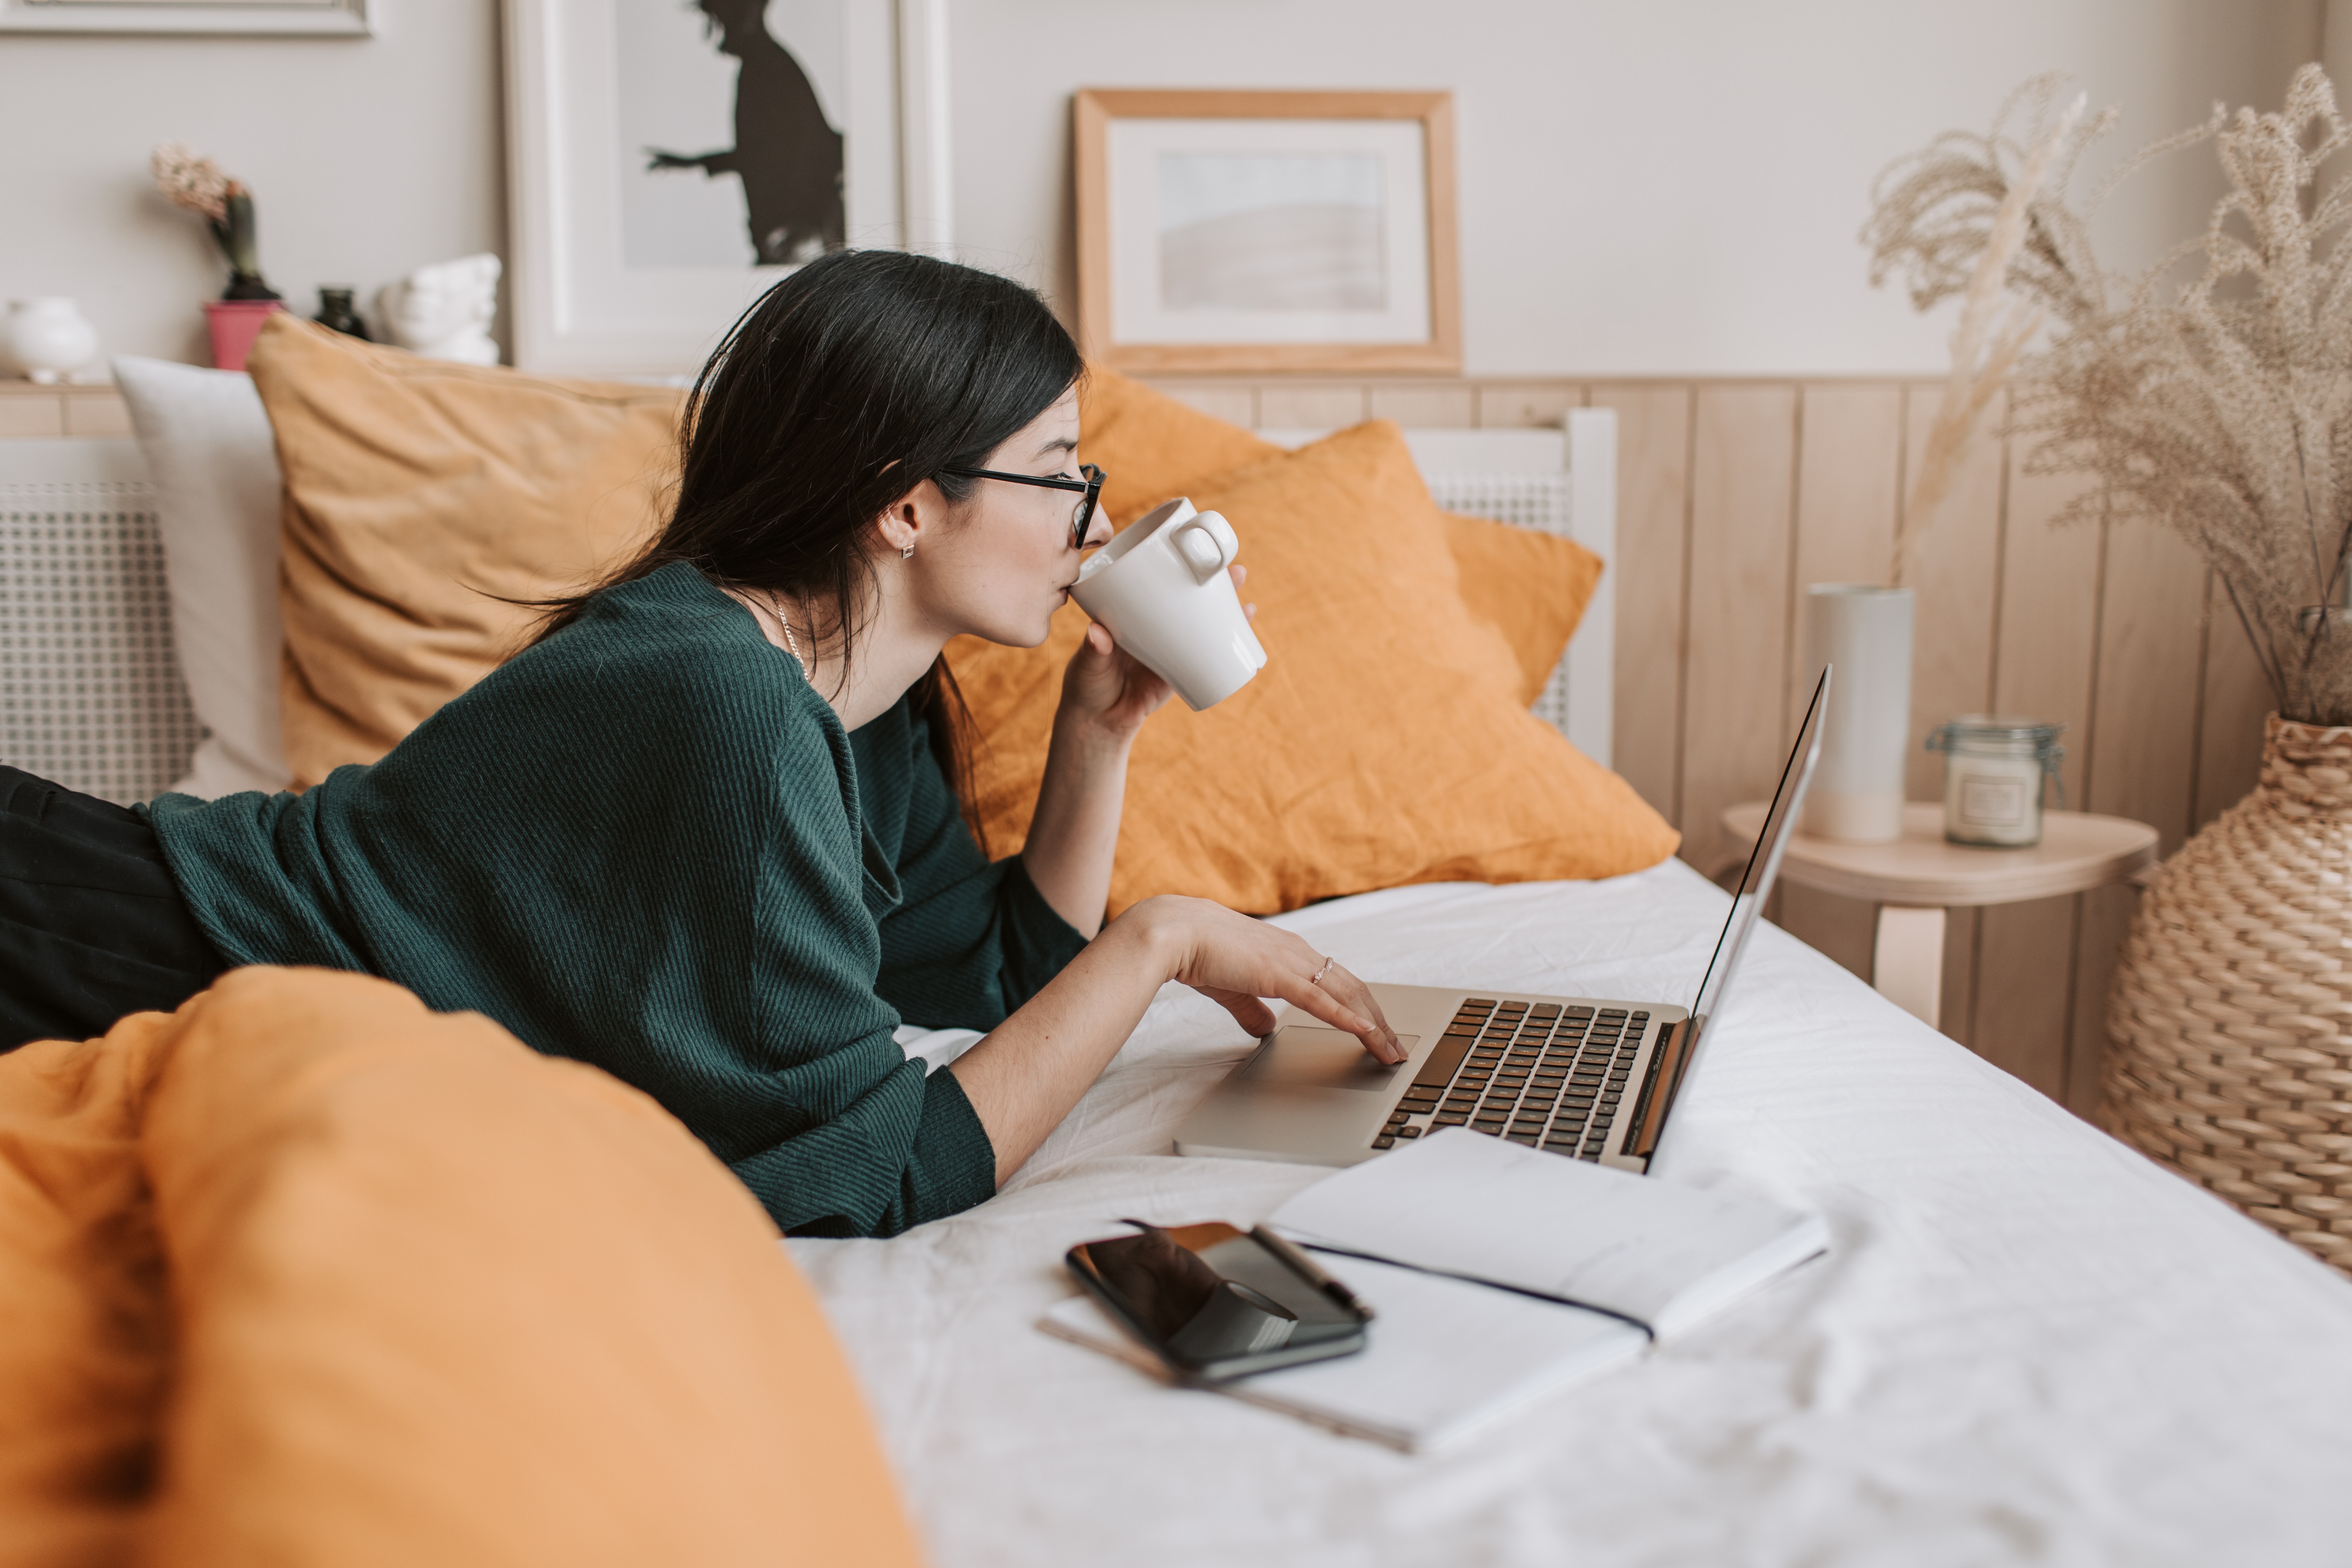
(91, 924)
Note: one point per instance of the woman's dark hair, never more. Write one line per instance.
(846, 385)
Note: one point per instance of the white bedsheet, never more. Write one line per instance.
(2029, 1346)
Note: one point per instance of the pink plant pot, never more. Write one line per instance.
(235, 324)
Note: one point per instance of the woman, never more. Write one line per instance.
(702, 832)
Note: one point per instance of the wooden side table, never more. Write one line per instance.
(1919, 876)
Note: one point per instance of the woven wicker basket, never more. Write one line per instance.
(2231, 1022)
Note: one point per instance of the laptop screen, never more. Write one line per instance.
(1764, 860)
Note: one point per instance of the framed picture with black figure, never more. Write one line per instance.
(669, 159)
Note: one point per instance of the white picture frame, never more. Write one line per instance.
(292, 18)
(577, 307)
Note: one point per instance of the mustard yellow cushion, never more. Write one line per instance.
(1151, 447)
(304, 1273)
(1388, 740)
(1532, 587)
(421, 497)
(85, 1326)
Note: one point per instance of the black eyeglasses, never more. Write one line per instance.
(1080, 519)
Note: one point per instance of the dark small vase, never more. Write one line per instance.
(335, 310)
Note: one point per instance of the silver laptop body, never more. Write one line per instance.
(1591, 1079)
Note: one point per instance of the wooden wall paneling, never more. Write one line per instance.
(2047, 648)
(1519, 404)
(1445, 405)
(1954, 572)
(1842, 929)
(2103, 920)
(1653, 435)
(2237, 700)
(1311, 405)
(1742, 478)
(2143, 729)
(1963, 946)
(1849, 440)
(1236, 403)
(1849, 465)
(2045, 654)
(2143, 741)
(2023, 1016)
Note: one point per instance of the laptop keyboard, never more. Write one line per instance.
(1546, 1075)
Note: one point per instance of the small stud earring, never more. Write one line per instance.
(904, 550)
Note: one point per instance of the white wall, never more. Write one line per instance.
(367, 157)
(1647, 186)
(1667, 187)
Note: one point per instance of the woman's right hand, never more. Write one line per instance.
(1237, 962)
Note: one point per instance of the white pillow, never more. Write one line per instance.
(215, 462)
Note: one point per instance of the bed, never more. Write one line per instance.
(2030, 1344)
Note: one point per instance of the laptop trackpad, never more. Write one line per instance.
(1324, 1059)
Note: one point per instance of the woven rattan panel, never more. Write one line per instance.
(1537, 500)
(90, 694)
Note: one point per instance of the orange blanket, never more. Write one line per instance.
(303, 1273)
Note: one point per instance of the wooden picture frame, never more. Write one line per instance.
(581, 302)
(1254, 232)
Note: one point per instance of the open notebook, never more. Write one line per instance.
(1500, 1274)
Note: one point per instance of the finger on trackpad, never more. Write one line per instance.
(1325, 1059)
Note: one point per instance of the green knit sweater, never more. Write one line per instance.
(647, 843)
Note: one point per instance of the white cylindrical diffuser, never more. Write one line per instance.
(1865, 632)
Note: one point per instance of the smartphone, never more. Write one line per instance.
(1217, 1303)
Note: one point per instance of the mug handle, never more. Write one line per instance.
(1207, 544)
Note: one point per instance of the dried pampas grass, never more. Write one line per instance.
(2212, 394)
(1946, 190)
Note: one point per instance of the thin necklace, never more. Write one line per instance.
(785, 621)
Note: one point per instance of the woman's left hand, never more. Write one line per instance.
(1107, 690)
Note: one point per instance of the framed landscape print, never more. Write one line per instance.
(1250, 232)
(668, 162)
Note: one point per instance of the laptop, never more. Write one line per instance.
(1589, 1079)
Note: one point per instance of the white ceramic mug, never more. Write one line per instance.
(1163, 589)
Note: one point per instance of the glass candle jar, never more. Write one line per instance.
(1993, 774)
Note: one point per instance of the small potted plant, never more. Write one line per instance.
(196, 183)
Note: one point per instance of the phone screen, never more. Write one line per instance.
(1215, 1301)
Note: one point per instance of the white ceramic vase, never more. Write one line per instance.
(49, 339)
(1865, 632)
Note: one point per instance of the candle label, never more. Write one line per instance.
(1992, 803)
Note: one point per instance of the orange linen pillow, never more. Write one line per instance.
(420, 495)
(85, 1332)
(1532, 587)
(1386, 743)
(444, 1300)
(1151, 447)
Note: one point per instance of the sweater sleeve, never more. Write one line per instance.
(970, 940)
(909, 1150)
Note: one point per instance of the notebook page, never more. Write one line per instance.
(1443, 1359)
(1462, 1203)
